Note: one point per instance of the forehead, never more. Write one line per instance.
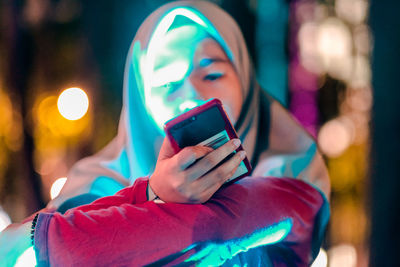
(178, 44)
(208, 48)
(196, 51)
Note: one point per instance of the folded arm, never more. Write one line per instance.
(112, 231)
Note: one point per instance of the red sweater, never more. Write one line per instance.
(127, 230)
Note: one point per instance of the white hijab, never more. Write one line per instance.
(133, 152)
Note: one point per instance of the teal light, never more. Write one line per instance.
(162, 68)
(294, 164)
(170, 73)
(215, 253)
(27, 258)
(105, 186)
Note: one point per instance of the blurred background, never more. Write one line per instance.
(61, 74)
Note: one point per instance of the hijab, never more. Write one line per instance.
(133, 152)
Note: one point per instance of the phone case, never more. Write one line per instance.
(209, 125)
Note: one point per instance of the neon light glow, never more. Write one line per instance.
(189, 104)
(105, 186)
(161, 70)
(27, 258)
(171, 73)
(215, 253)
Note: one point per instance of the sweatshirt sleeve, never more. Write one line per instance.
(125, 229)
(134, 194)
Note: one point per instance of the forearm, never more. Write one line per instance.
(102, 226)
(125, 234)
(262, 212)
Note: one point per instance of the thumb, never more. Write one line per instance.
(166, 150)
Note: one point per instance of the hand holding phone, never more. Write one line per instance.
(174, 181)
(193, 173)
(206, 125)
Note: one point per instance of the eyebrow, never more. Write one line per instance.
(204, 62)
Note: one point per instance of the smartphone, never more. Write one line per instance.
(207, 125)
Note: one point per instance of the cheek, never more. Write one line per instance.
(228, 90)
(231, 96)
(234, 97)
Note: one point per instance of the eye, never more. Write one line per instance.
(213, 76)
(172, 86)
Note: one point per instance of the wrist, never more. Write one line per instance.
(150, 193)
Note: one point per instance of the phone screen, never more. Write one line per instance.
(206, 128)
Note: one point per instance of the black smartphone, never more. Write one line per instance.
(206, 125)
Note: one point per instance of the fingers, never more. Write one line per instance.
(189, 176)
(211, 182)
(189, 155)
(220, 175)
(213, 158)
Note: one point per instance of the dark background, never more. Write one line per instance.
(47, 46)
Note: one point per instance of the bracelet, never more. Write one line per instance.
(33, 226)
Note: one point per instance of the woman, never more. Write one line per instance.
(275, 144)
(184, 53)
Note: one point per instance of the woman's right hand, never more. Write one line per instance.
(179, 178)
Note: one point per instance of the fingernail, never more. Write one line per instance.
(236, 142)
(242, 154)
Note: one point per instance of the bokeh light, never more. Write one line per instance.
(335, 137)
(57, 186)
(4, 220)
(10, 125)
(353, 11)
(53, 126)
(334, 45)
(50, 163)
(349, 219)
(342, 255)
(307, 37)
(359, 100)
(334, 39)
(362, 38)
(361, 76)
(346, 179)
(73, 103)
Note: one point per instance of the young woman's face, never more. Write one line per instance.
(208, 74)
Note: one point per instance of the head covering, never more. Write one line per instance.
(133, 152)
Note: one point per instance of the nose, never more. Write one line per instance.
(184, 90)
(185, 96)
